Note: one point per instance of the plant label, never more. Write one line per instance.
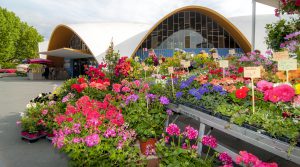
(288, 64)
(182, 62)
(231, 51)
(215, 55)
(252, 72)
(277, 56)
(224, 63)
(186, 64)
(160, 61)
(171, 70)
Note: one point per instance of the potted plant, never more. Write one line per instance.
(35, 71)
(146, 115)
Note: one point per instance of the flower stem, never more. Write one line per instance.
(207, 153)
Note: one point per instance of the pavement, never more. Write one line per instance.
(15, 93)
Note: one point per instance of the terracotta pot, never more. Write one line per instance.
(150, 143)
(281, 75)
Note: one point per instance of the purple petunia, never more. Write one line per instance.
(132, 98)
(179, 94)
(164, 100)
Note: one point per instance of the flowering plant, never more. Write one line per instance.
(249, 160)
(289, 7)
(123, 67)
(292, 43)
(94, 133)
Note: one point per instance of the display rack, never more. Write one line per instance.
(262, 141)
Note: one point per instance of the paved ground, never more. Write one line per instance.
(15, 93)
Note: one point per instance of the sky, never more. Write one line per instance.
(46, 14)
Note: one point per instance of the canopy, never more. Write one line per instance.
(273, 3)
(67, 53)
(39, 61)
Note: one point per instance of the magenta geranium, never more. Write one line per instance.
(281, 93)
(190, 133)
(209, 141)
(92, 140)
(173, 129)
(225, 158)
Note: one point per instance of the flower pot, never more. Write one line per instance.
(31, 137)
(49, 136)
(148, 143)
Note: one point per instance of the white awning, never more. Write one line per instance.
(273, 3)
(67, 53)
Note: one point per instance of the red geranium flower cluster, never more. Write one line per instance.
(96, 73)
(123, 67)
(242, 92)
(80, 86)
(216, 71)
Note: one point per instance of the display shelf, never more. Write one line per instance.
(262, 141)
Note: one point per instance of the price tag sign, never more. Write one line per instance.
(171, 70)
(280, 55)
(231, 51)
(186, 64)
(224, 63)
(252, 72)
(288, 64)
(215, 55)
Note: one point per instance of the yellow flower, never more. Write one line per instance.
(297, 88)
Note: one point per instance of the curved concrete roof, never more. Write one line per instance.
(127, 37)
(97, 36)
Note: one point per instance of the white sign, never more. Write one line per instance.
(224, 63)
(231, 51)
(252, 72)
(215, 55)
(280, 55)
(288, 64)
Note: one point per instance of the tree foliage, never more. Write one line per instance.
(18, 40)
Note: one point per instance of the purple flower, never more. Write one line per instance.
(151, 96)
(58, 139)
(179, 94)
(184, 146)
(92, 140)
(150, 150)
(169, 112)
(131, 98)
(164, 100)
(218, 88)
(203, 90)
(195, 93)
(225, 158)
(209, 141)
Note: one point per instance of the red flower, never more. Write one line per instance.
(81, 80)
(242, 92)
(163, 77)
(69, 119)
(297, 3)
(241, 70)
(77, 87)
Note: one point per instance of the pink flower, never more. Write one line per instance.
(190, 133)
(92, 140)
(194, 147)
(137, 83)
(167, 138)
(169, 112)
(117, 88)
(184, 146)
(173, 129)
(264, 85)
(209, 141)
(44, 112)
(109, 133)
(76, 128)
(77, 140)
(225, 158)
(150, 150)
(296, 102)
(67, 131)
(281, 93)
(18, 123)
(125, 89)
(247, 158)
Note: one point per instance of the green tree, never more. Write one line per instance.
(18, 40)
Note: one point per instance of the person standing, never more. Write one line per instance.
(47, 72)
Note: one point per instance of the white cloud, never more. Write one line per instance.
(46, 14)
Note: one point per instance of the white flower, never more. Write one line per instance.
(28, 105)
(40, 95)
(295, 120)
(22, 114)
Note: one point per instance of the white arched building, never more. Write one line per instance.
(191, 28)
